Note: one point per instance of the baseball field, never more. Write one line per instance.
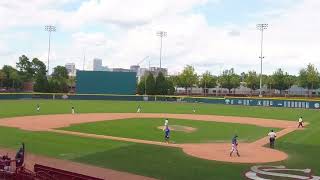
(110, 139)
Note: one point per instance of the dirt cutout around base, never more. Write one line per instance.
(250, 152)
(186, 129)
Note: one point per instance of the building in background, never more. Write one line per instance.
(71, 68)
(97, 65)
(121, 70)
(153, 70)
(135, 68)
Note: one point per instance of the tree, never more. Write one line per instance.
(41, 84)
(151, 84)
(309, 77)
(170, 86)
(188, 78)
(252, 80)
(41, 81)
(207, 81)
(174, 79)
(25, 68)
(14, 76)
(280, 80)
(161, 84)
(38, 67)
(141, 86)
(58, 82)
(60, 72)
(2, 78)
(268, 81)
(229, 79)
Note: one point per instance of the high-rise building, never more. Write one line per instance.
(97, 64)
(71, 68)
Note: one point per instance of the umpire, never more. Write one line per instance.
(272, 138)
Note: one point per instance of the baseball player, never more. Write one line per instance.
(167, 135)
(72, 110)
(194, 109)
(234, 146)
(166, 124)
(38, 107)
(272, 138)
(300, 122)
(139, 109)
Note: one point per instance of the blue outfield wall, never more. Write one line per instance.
(286, 103)
(104, 82)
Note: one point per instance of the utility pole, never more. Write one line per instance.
(161, 34)
(50, 29)
(84, 58)
(261, 27)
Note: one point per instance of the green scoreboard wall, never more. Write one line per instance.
(104, 82)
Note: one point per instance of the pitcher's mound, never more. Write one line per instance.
(179, 128)
(249, 153)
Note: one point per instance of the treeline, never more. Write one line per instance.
(308, 78)
(158, 85)
(34, 71)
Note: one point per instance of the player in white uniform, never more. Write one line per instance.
(38, 107)
(72, 110)
(194, 110)
(272, 138)
(300, 122)
(139, 109)
(166, 124)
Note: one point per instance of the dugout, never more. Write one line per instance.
(105, 82)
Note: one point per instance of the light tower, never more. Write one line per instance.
(261, 27)
(161, 34)
(50, 29)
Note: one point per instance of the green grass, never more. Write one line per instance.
(155, 161)
(147, 129)
(148, 160)
(27, 107)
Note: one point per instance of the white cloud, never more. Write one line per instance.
(291, 41)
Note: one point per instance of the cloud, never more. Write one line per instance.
(127, 29)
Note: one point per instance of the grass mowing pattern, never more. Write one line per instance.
(160, 162)
(147, 129)
(149, 160)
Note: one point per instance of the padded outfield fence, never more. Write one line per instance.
(265, 102)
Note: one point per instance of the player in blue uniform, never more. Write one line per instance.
(167, 134)
(234, 145)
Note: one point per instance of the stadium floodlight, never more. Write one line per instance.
(50, 29)
(161, 34)
(261, 27)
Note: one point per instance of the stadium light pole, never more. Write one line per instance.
(261, 27)
(161, 34)
(50, 29)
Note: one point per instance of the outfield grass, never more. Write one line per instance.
(28, 107)
(155, 161)
(147, 129)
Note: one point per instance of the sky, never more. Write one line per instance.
(210, 35)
